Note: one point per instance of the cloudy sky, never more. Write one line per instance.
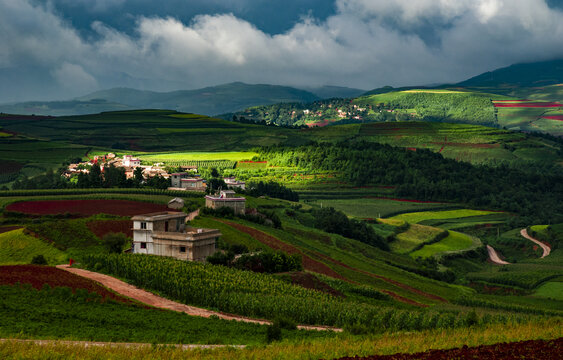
(61, 49)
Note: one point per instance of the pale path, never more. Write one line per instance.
(118, 344)
(494, 256)
(546, 249)
(151, 299)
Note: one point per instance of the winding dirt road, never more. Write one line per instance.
(494, 256)
(151, 299)
(546, 249)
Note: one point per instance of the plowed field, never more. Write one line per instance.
(531, 350)
(85, 207)
(37, 276)
(102, 227)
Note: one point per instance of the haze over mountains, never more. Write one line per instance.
(212, 100)
(232, 97)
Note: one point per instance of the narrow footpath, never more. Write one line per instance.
(494, 256)
(151, 299)
(118, 344)
(546, 249)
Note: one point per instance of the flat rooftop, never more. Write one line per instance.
(162, 215)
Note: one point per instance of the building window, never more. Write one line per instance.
(144, 225)
(182, 249)
(143, 245)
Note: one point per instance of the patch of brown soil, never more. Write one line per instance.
(530, 349)
(38, 275)
(310, 281)
(85, 207)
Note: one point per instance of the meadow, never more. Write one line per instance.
(454, 242)
(16, 247)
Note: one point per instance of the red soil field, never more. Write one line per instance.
(85, 207)
(554, 117)
(38, 275)
(102, 227)
(530, 349)
(529, 105)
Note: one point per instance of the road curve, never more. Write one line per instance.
(494, 256)
(546, 249)
(151, 299)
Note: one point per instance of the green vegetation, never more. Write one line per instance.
(551, 290)
(415, 237)
(418, 217)
(59, 313)
(17, 247)
(455, 241)
(196, 156)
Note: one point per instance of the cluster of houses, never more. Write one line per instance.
(166, 233)
(187, 180)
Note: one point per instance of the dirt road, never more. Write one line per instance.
(151, 299)
(494, 256)
(546, 249)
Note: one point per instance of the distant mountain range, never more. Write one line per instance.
(210, 101)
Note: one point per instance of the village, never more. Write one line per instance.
(187, 179)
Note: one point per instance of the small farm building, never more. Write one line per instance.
(166, 234)
(226, 198)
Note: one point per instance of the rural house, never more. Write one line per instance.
(129, 161)
(233, 183)
(166, 234)
(226, 198)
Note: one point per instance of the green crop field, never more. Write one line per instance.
(19, 248)
(418, 217)
(455, 241)
(551, 290)
(371, 208)
(196, 155)
(414, 237)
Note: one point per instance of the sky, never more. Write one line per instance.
(61, 49)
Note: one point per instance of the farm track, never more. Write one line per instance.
(151, 299)
(493, 256)
(117, 344)
(318, 267)
(546, 249)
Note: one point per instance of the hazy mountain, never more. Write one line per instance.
(523, 75)
(207, 101)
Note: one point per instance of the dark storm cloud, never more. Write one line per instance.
(72, 47)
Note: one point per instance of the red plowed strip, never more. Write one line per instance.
(37, 276)
(308, 263)
(85, 207)
(530, 350)
(318, 267)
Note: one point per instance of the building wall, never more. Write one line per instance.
(237, 206)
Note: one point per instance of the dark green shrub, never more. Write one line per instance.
(114, 242)
(39, 260)
(273, 333)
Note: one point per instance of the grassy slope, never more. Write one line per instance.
(19, 248)
(455, 241)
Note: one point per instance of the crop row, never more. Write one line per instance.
(260, 295)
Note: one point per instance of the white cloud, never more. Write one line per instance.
(73, 77)
(367, 43)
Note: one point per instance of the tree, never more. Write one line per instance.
(138, 176)
(114, 242)
(95, 178)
